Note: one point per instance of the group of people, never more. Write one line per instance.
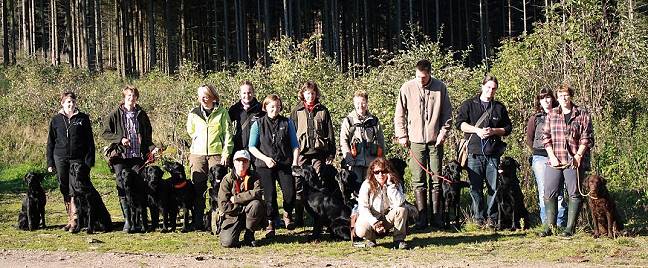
(261, 145)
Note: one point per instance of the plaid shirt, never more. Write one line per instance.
(566, 137)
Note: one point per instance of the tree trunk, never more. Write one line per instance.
(151, 33)
(5, 34)
(99, 35)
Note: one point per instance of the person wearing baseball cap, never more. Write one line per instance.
(240, 199)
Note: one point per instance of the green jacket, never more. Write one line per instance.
(211, 135)
(227, 189)
(314, 130)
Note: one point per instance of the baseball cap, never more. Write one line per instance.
(242, 154)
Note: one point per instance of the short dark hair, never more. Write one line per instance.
(424, 65)
(68, 94)
(309, 85)
(490, 77)
(544, 92)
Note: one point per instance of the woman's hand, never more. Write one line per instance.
(554, 161)
(126, 142)
(270, 162)
(379, 227)
(577, 159)
(50, 169)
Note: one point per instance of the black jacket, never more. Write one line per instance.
(239, 115)
(114, 129)
(71, 139)
(274, 141)
(470, 111)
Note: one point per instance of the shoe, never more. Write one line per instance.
(270, 231)
(288, 221)
(400, 245)
(370, 243)
(248, 239)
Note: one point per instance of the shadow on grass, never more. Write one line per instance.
(455, 240)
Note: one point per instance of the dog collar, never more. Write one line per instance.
(180, 185)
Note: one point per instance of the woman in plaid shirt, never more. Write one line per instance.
(568, 137)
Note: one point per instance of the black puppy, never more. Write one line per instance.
(509, 198)
(159, 200)
(325, 204)
(90, 208)
(182, 190)
(135, 190)
(452, 185)
(215, 176)
(32, 213)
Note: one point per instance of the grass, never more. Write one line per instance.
(470, 245)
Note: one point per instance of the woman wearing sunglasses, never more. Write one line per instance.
(381, 205)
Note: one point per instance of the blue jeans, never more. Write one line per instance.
(539, 164)
(483, 168)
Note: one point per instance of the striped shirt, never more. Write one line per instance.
(131, 125)
(566, 137)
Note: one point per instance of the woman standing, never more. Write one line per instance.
(129, 131)
(69, 140)
(211, 144)
(568, 137)
(315, 135)
(381, 205)
(544, 102)
(274, 144)
(361, 138)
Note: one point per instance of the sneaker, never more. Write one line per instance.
(370, 243)
(400, 245)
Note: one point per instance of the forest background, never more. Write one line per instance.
(168, 48)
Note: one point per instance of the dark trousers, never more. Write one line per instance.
(251, 217)
(121, 164)
(556, 178)
(286, 182)
(482, 168)
(62, 165)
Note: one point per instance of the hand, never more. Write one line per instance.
(379, 227)
(270, 162)
(329, 160)
(577, 160)
(484, 133)
(404, 141)
(440, 138)
(224, 161)
(50, 169)
(231, 199)
(554, 161)
(126, 142)
(155, 151)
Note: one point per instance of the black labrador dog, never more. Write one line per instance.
(215, 176)
(509, 198)
(90, 208)
(159, 200)
(452, 185)
(182, 190)
(32, 213)
(324, 202)
(135, 190)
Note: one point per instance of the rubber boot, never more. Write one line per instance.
(69, 216)
(572, 216)
(551, 212)
(421, 206)
(299, 213)
(127, 215)
(437, 209)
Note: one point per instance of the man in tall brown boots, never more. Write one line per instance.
(421, 123)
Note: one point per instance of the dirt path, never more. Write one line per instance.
(38, 258)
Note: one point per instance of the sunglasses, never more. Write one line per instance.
(376, 172)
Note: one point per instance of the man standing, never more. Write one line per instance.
(421, 122)
(244, 113)
(484, 122)
(240, 199)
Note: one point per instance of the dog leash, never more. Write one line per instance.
(150, 158)
(580, 191)
(427, 171)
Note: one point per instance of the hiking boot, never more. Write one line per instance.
(270, 230)
(248, 239)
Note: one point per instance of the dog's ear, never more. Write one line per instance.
(603, 181)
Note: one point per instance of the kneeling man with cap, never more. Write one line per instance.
(240, 199)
